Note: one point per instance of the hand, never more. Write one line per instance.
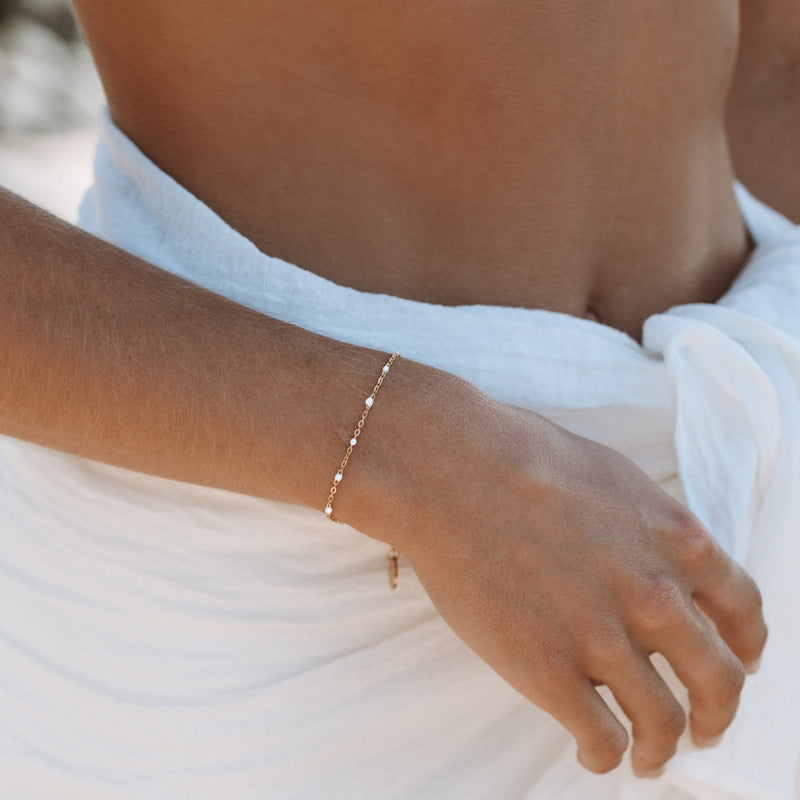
(563, 566)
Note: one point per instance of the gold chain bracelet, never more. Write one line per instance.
(392, 555)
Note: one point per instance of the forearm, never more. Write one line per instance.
(105, 356)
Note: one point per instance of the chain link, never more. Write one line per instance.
(392, 555)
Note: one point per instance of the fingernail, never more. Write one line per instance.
(704, 743)
(753, 666)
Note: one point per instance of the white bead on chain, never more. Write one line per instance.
(392, 555)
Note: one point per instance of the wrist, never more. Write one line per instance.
(397, 468)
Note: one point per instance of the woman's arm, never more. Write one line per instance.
(763, 113)
(108, 357)
(557, 560)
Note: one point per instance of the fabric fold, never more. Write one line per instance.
(238, 648)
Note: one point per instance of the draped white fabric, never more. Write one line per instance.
(163, 640)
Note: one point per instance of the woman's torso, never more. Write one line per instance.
(568, 156)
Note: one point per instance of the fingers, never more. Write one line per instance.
(707, 653)
(732, 601)
(601, 738)
(726, 593)
(713, 675)
(658, 719)
(668, 621)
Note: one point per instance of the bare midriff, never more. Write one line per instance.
(565, 154)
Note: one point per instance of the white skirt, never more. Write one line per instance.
(164, 640)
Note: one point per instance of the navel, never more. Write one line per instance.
(591, 313)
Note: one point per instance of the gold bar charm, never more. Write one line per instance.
(392, 557)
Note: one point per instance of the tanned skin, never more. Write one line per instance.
(763, 113)
(565, 154)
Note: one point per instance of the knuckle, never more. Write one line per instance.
(608, 650)
(755, 599)
(750, 622)
(670, 727)
(729, 687)
(697, 546)
(662, 603)
(762, 639)
(751, 610)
